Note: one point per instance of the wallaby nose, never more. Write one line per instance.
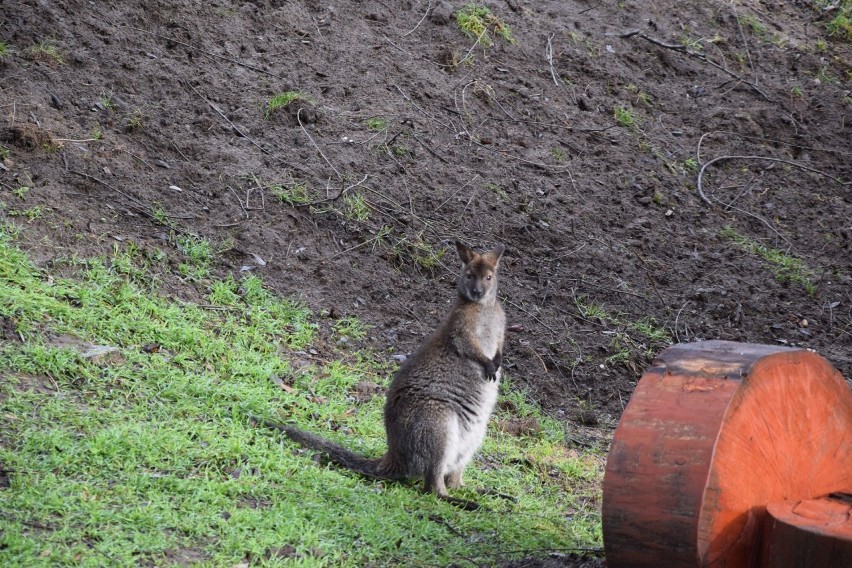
(476, 292)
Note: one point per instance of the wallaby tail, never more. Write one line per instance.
(375, 468)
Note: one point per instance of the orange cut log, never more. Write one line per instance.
(714, 432)
(809, 533)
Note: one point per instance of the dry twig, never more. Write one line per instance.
(768, 159)
(697, 55)
(308, 134)
(549, 54)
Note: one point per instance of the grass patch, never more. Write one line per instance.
(355, 208)
(47, 52)
(625, 117)
(149, 459)
(350, 327)
(841, 25)
(418, 252)
(135, 120)
(784, 266)
(377, 123)
(199, 255)
(480, 24)
(754, 24)
(629, 338)
(5, 52)
(293, 193)
(284, 99)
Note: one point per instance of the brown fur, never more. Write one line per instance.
(439, 401)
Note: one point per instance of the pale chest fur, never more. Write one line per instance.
(465, 437)
(491, 329)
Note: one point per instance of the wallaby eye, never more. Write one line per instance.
(469, 275)
(488, 277)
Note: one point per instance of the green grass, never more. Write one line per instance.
(47, 52)
(350, 327)
(21, 191)
(480, 23)
(149, 458)
(377, 123)
(625, 117)
(629, 338)
(32, 213)
(106, 101)
(199, 255)
(5, 51)
(282, 100)
(840, 24)
(754, 24)
(355, 208)
(135, 120)
(784, 266)
(418, 252)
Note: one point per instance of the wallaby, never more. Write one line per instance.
(441, 398)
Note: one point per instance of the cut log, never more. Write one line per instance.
(809, 533)
(714, 431)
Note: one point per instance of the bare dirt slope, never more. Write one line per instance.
(578, 145)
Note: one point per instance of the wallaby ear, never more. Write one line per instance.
(496, 253)
(465, 254)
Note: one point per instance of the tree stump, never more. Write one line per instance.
(713, 433)
(809, 533)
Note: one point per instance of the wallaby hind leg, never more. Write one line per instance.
(453, 480)
(433, 482)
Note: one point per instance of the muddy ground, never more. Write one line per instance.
(578, 144)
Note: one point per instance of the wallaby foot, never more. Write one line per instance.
(453, 480)
(462, 503)
(433, 482)
(497, 494)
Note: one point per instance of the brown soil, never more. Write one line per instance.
(153, 113)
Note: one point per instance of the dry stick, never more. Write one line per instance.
(677, 317)
(359, 245)
(336, 197)
(695, 54)
(472, 47)
(650, 277)
(428, 149)
(426, 13)
(234, 126)
(73, 140)
(240, 201)
(758, 139)
(444, 202)
(179, 152)
(406, 97)
(144, 209)
(778, 160)
(557, 169)
(262, 195)
(745, 43)
(548, 52)
(513, 304)
(308, 134)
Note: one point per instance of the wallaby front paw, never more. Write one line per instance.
(490, 371)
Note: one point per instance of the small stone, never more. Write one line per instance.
(103, 354)
(441, 13)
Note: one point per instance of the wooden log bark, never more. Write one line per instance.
(714, 431)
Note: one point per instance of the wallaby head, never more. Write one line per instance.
(478, 279)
